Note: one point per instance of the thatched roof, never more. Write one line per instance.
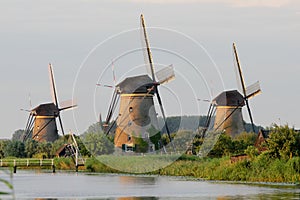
(136, 84)
(229, 98)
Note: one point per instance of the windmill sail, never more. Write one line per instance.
(148, 57)
(144, 46)
(248, 92)
(165, 75)
(52, 85)
(67, 104)
(153, 78)
(253, 90)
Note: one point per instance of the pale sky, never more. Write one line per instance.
(34, 33)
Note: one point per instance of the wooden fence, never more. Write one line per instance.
(27, 163)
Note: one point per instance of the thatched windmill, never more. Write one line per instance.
(227, 107)
(41, 123)
(137, 125)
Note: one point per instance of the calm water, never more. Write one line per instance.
(32, 185)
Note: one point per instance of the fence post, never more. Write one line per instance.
(15, 167)
(53, 166)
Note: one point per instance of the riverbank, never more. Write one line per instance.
(259, 169)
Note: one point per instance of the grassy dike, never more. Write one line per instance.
(259, 169)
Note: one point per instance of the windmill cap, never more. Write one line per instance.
(47, 109)
(136, 84)
(229, 98)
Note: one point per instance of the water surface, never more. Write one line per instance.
(33, 185)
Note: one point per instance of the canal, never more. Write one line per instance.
(62, 185)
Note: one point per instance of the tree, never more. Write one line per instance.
(223, 147)
(94, 128)
(15, 149)
(18, 135)
(3, 144)
(97, 143)
(283, 142)
(43, 150)
(30, 148)
(242, 141)
(251, 151)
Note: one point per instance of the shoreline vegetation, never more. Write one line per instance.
(278, 162)
(260, 169)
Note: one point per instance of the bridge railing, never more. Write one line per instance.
(26, 163)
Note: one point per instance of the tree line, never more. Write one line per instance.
(283, 142)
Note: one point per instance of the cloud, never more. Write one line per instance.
(234, 3)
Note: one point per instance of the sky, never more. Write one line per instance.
(82, 37)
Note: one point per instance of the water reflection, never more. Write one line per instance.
(126, 187)
(127, 180)
(137, 198)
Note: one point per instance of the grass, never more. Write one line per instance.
(259, 169)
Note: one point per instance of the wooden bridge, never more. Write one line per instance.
(27, 163)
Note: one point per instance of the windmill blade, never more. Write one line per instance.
(165, 75)
(113, 72)
(52, 85)
(29, 126)
(112, 107)
(250, 115)
(100, 121)
(253, 90)
(61, 125)
(67, 104)
(164, 117)
(153, 77)
(22, 109)
(149, 54)
(239, 70)
(144, 49)
(29, 98)
(104, 85)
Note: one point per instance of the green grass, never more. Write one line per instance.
(260, 169)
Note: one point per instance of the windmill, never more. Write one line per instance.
(41, 123)
(227, 106)
(137, 123)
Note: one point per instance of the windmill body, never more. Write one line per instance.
(41, 124)
(45, 129)
(137, 121)
(228, 106)
(229, 116)
(137, 124)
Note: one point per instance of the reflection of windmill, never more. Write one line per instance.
(227, 107)
(42, 119)
(137, 119)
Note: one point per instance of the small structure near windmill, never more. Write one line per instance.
(261, 139)
(71, 149)
(41, 123)
(137, 125)
(227, 106)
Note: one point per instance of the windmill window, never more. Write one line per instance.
(130, 109)
(129, 137)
